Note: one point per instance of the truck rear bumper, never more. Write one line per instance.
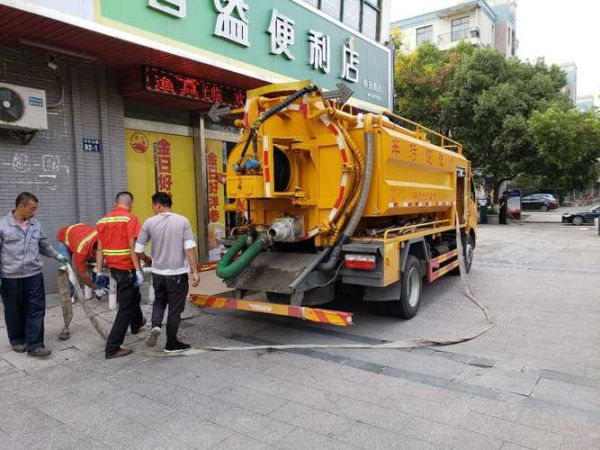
(326, 316)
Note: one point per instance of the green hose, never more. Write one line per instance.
(228, 268)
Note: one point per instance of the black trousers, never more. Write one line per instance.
(171, 291)
(129, 313)
(24, 302)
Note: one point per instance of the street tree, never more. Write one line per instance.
(481, 98)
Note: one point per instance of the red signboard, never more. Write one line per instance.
(191, 88)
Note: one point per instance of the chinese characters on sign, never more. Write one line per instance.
(161, 81)
(230, 27)
(232, 23)
(175, 8)
(282, 34)
(350, 62)
(320, 52)
(213, 188)
(163, 166)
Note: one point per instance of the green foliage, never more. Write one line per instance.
(569, 146)
(503, 110)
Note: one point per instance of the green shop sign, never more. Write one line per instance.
(281, 37)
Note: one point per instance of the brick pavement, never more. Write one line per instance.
(531, 382)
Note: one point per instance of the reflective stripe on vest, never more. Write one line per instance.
(67, 240)
(122, 252)
(85, 240)
(113, 219)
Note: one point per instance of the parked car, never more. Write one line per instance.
(581, 217)
(543, 202)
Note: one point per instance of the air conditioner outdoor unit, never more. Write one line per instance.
(22, 108)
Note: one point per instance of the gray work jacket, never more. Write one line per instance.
(20, 251)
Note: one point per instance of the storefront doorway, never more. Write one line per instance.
(161, 161)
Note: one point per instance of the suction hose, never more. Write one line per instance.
(228, 268)
(348, 232)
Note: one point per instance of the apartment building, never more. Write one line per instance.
(479, 22)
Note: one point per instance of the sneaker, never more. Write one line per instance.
(39, 352)
(137, 329)
(120, 353)
(19, 348)
(153, 337)
(177, 347)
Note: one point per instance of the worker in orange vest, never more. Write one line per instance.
(78, 243)
(117, 233)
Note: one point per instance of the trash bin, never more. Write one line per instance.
(483, 216)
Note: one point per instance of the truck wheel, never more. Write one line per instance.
(319, 296)
(468, 252)
(411, 290)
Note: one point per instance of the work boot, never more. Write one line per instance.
(153, 337)
(39, 352)
(177, 347)
(19, 348)
(120, 353)
(137, 329)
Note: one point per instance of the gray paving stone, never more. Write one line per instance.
(370, 437)
(259, 402)
(260, 427)
(504, 380)
(196, 433)
(20, 420)
(242, 442)
(568, 394)
(311, 419)
(510, 431)
(304, 439)
(124, 433)
(138, 408)
(78, 413)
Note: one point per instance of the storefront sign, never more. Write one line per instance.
(183, 86)
(280, 38)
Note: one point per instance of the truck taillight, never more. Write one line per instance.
(359, 262)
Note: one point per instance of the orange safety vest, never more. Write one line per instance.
(80, 238)
(115, 230)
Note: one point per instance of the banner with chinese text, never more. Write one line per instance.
(161, 162)
(216, 198)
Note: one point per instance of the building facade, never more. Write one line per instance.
(479, 22)
(570, 70)
(106, 95)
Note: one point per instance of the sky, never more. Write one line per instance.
(559, 31)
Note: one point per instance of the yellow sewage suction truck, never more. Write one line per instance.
(329, 198)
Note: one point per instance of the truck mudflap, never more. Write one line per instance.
(325, 316)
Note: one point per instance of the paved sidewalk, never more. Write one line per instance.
(531, 382)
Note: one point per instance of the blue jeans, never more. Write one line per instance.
(24, 302)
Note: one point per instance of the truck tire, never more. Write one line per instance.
(411, 290)
(468, 252)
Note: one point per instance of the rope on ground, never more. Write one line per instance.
(401, 344)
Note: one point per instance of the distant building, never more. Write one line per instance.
(585, 103)
(571, 88)
(480, 22)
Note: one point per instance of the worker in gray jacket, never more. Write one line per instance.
(22, 283)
